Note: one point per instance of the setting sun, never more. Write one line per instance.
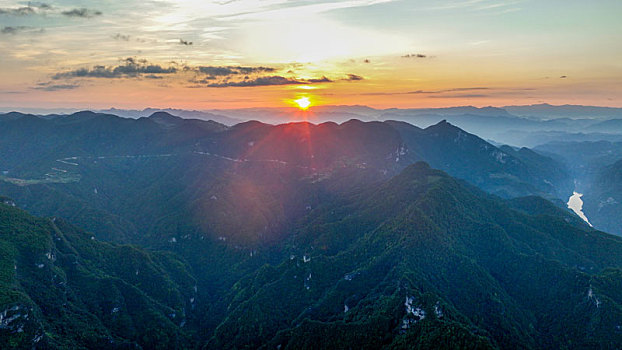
(303, 103)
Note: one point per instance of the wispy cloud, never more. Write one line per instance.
(323, 79)
(353, 77)
(82, 13)
(20, 11)
(460, 96)
(414, 55)
(231, 70)
(428, 92)
(121, 37)
(12, 30)
(260, 81)
(49, 86)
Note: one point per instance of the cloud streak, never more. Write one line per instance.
(55, 87)
(81, 13)
(353, 77)
(121, 37)
(12, 30)
(18, 11)
(130, 68)
(428, 92)
(260, 81)
(415, 55)
(277, 80)
(232, 70)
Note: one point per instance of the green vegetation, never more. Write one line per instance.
(61, 289)
(259, 236)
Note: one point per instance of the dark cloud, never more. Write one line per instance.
(323, 79)
(82, 13)
(40, 5)
(260, 81)
(184, 42)
(353, 77)
(271, 80)
(122, 37)
(216, 71)
(414, 55)
(12, 30)
(563, 77)
(206, 80)
(233, 70)
(130, 67)
(49, 86)
(18, 11)
(18, 29)
(33, 8)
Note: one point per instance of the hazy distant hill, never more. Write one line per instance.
(187, 114)
(516, 125)
(548, 111)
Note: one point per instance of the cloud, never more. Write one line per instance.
(9, 30)
(429, 92)
(200, 76)
(414, 55)
(260, 81)
(271, 80)
(121, 37)
(49, 86)
(12, 30)
(40, 5)
(353, 77)
(323, 79)
(460, 96)
(184, 42)
(563, 77)
(131, 67)
(82, 13)
(232, 70)
(18, 11)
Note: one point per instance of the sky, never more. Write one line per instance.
(195, 54)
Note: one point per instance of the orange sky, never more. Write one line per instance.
(252, 53)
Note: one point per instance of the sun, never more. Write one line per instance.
(303, 103)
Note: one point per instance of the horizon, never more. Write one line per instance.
(380, 53)
(293, 109)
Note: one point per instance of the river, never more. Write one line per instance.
(576, 204)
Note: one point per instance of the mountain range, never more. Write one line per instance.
(166, 232)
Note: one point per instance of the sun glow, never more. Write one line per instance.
(303, 103)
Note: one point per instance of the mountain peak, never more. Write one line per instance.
(163, 116)
(443, 125)
(166, 119)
